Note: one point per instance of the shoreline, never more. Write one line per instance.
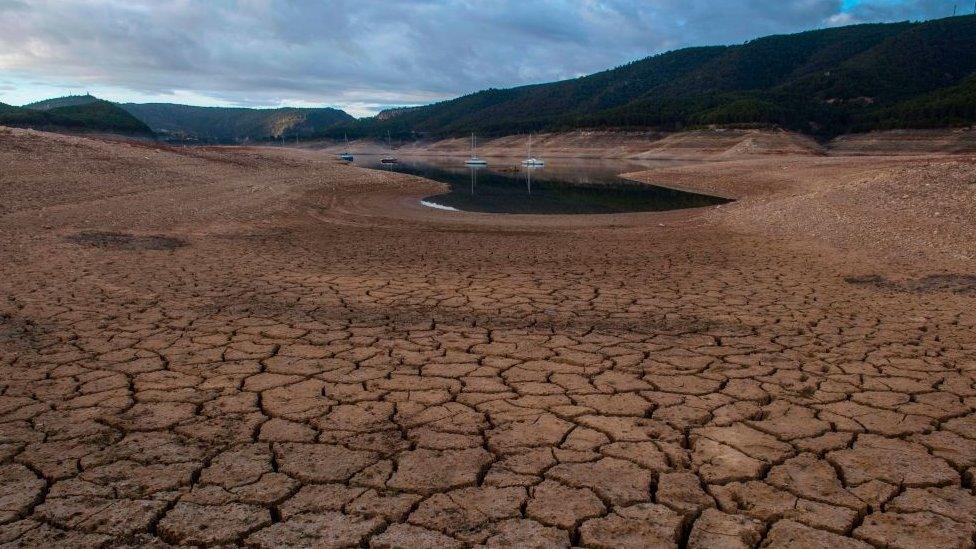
(691, 145)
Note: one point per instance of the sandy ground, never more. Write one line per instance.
(911, 214)
(263, 347)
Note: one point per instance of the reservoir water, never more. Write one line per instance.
(563, 186)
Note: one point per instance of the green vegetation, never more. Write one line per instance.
(176, 122)
(824, 83)
(79, 113)
(68, 101)
(227, 125)
(955, 106)
(20, 117)
(101, 116)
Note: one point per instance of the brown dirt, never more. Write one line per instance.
(912, 214)
(122, 241)
(707, 144)
(907, 142)
(326, 363)
(695, 145)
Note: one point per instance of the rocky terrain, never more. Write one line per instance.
(262, 347)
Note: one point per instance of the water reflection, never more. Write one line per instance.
(524, 172)
(559, 188)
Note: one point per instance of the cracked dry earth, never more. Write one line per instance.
(319, 362)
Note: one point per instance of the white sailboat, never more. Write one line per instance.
(390, 158)
(531, 160)
(474, 160)
(346, 156)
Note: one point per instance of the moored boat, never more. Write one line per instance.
(474, 160)
(390, 158)
(346, 156)
(531, 160)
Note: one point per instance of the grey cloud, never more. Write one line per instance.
(373, 52)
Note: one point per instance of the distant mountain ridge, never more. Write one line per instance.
(58, 102)
(232, 124)
(83, 113)
(173, 121)
(824, 83)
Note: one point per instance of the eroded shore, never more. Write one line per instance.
(263, 347)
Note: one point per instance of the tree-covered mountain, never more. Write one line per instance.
(67, 101)
(177, 122)
(19, 117)
(824, 82)
(225, 125)
(76, 113)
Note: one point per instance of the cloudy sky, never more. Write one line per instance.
(364, 55)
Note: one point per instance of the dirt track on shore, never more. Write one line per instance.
(262, 347)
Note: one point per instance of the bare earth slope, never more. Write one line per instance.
(261, 347)
(900, 142)
(915, 214)
(606, 144)
(711, 144)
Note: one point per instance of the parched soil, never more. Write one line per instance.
(910, 214)
(320, 361)
(122, 241)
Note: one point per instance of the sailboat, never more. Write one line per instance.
(474, 160)
(389, 159)
(531, 160)
(347, 156)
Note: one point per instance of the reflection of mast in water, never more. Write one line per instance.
(474, 177)
(528, 176)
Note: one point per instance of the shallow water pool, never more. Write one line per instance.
(561, 187)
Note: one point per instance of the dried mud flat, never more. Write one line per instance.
(322, 362)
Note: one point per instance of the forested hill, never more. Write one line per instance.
(59, 102)
(171, 121)
(76, 113)
(824, 82)
(222, 124)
